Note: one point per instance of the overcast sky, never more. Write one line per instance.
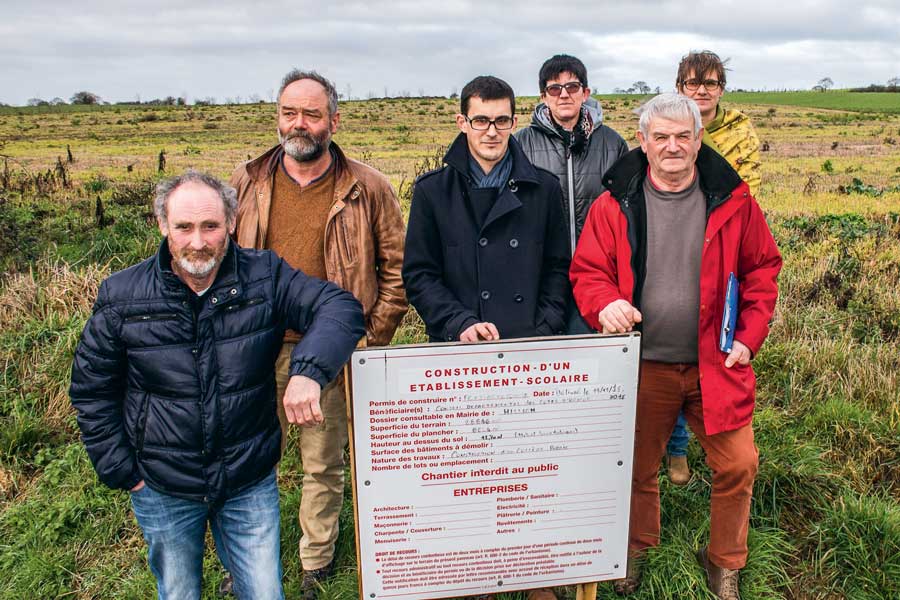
(126, 50)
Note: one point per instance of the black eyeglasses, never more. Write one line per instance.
(692, 85)
(481, 123)
(557, 88)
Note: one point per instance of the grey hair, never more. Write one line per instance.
(165, 188)
(297, 75)
(668, 106)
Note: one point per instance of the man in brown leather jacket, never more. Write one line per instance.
(336, 219)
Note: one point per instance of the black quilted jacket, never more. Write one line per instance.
(180, 391)
(544, 148)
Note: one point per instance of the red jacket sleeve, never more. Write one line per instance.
(594, 270)
(759, 263)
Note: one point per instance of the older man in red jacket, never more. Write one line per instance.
(656, 254)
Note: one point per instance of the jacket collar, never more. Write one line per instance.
(717, 177)
(457, 158)
(263, 168)
(173, 285)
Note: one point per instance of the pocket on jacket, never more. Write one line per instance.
(247, 412)
(172, 423)
(150, 317)
(348, 237)
(243, 304)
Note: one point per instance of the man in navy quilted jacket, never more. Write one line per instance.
(173, 382)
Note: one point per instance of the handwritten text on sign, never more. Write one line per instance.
(493, 467)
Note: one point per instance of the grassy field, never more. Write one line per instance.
(873, 102)
(842, 100)
(826, 514)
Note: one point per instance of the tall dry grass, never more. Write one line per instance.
(48, 304)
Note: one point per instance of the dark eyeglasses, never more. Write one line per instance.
(480, 123)
(557, 88)
(692, 85)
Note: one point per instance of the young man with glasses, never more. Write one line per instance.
(487, 256)
(701, 77)
(567, 137)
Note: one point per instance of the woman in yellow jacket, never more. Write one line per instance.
(701, 76)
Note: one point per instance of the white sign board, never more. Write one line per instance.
(494, 466)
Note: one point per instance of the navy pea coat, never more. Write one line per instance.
(512, 270)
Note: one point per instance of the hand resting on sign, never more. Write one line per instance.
(619, 316)
(480, 332)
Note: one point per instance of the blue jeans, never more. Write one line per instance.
(678, 442)
(246, 529)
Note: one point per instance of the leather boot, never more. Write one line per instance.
(679, 472)
(313, 579)
(723, 583)
(632, 580)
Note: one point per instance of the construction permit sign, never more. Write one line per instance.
(492, 467)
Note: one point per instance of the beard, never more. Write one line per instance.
(197, 268)
(200, 263)
(303, 146)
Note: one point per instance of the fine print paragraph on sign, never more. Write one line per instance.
(492, 467)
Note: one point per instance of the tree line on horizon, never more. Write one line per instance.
(87, 98)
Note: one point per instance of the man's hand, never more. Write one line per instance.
(740, 354)
(619, 316)
(301, 401)
(138, 487)
(480, 331)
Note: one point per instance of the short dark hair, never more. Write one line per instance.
(486, 87)
(561, 63)
(701, 63)
(297, 75)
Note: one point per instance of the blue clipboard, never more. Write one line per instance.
(729, 319)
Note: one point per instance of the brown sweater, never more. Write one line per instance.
(297, 223)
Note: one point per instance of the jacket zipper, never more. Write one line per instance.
(573, 240)
(250, 302)
(148, 318)
(200, 404)
(346, 241)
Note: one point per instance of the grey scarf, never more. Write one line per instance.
(498, 176)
